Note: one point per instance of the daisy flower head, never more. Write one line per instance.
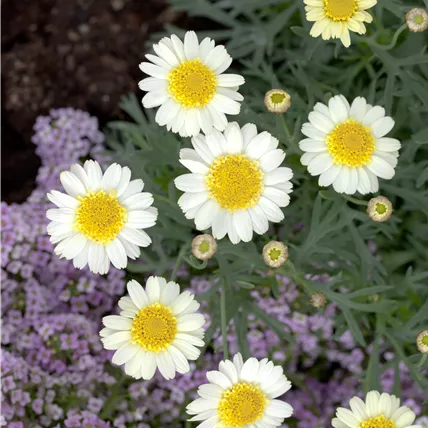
(242, 395)
(159, 327)
(377, 411)
(188, 84)
(236, 185)
(347, 145)
(99, 220)
(335, 18)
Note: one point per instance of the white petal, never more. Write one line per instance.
(72, 185)
(165, 365)
(272, 160)
(272, 211)
(116, 322)
(243, 225)
(234, 139)
(134, 186)
(358, 109)
(153, 289)
(206, 214)
(259, 220)
(374, 114)
(381, 168)
(259, 145)
(319, 164)
(321, 122)
(125, 353)
(218, 378)
(141, 219)
(191, 45)
(338, 109)
(310, 145)
(117, 254)
(154, 70)
(382, 126)
(137, 294)
(225, 104)
(279, 175)
(180, 361)
(190, 183)
(219, 225)
(387, 144)
(230, 80)
(136, 237)
(148, 369)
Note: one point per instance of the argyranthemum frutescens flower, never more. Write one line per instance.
(157, 328)
(236, 185)
(347, 147)
(378, 411)
(188, 84)
(335, 18)
(242, 395)
(100, 219)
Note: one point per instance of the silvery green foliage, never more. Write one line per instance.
(378, 271)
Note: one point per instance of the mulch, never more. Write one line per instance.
(61, 53)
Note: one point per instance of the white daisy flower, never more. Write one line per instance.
(236, 185)
(157, 328)
(335, 18)
(187, 81)
(378, 411)
(347, 147)
(242, 395)
(100, 217)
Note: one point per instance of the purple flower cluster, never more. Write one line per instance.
(56, 372)
(62, 138)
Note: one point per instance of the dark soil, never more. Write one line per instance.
(60, 53)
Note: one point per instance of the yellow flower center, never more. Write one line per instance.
(204, 247)
(274, 254)
(418, 19)
(381, 208)
(425, 340)
(154, 328)
(378, 422)
(340, 10)
(100, 217)
(235, 182)
(350, 143)
(241, 405)
(277, 98)
(192, 84)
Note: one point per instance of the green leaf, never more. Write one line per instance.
(353, 326)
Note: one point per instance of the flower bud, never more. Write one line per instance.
(275, 254)
(204, 247)
(417, 20)
(277, 101)
(318, 299)
(379, 209)
(422, 341)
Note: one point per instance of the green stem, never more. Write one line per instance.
(178, 262)
(287, 133)
(223, 320)
(355, 200)
(108, 406)
(423, 359)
